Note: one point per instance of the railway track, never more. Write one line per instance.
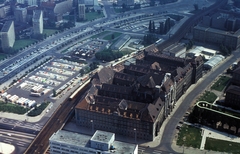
(41, 143)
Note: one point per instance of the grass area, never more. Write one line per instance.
(127, 50)
(22, 43)
(221, 83)
(38, 110)
(100, 34)
(189, 136)
(208, 96)
(109, 37)
(117, 10)
(2, 56)
(222, 146)
(49, 32)
(93, 15)
(12, 108)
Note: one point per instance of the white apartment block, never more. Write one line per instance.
(81, 11)
(8, 35)
(37, 22)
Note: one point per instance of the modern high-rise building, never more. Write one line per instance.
(81, 11)
(37, 22)
(20, 15)
(7, 35)
(100, 143)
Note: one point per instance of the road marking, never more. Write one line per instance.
(157, 152)
(21, 144)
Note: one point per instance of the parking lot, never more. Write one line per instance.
(38, 86)
(88, 48)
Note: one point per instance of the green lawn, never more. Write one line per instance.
(22, 43)
(93, 15)
(12, 108)
(222, 146)
(189, 136)
(221, 83)
(117, 10)
(109, 37)
(49, 32)
(2, 56)
(100, 34)
(208, 96)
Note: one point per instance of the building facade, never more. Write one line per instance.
(100, 143)
(7, 35)
(232, 98)
(215, 36)
(37, 22)
(81, 11)
(20, 15)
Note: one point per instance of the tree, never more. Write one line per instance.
(195, 6)
(112, 36)
(161, 28)
(153, 27)
(236, 3)
(150, 26)
(152, 2)
(124, 7)
(54, 93)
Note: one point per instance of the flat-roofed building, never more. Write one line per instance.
(175, 50)
(7, 35)
(101, 142)
(37, 22)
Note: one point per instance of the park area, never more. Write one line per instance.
(2, 56)
(189, 136)
(208, 96)
(20, 44)
(221, 83)
(222, 146)
(49, 32)
(93, 15)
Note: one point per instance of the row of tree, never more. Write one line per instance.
(163, 27)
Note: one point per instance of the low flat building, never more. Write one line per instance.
(175, 50)
(100, 143)
(122, 41)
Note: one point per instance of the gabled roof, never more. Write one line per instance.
(152, 111)
(150, 80)
(116, 88)
(104, 75)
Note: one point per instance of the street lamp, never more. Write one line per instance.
(135, 133)
(92, 126)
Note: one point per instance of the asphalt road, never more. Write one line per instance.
(170, 128)
(18, 139)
